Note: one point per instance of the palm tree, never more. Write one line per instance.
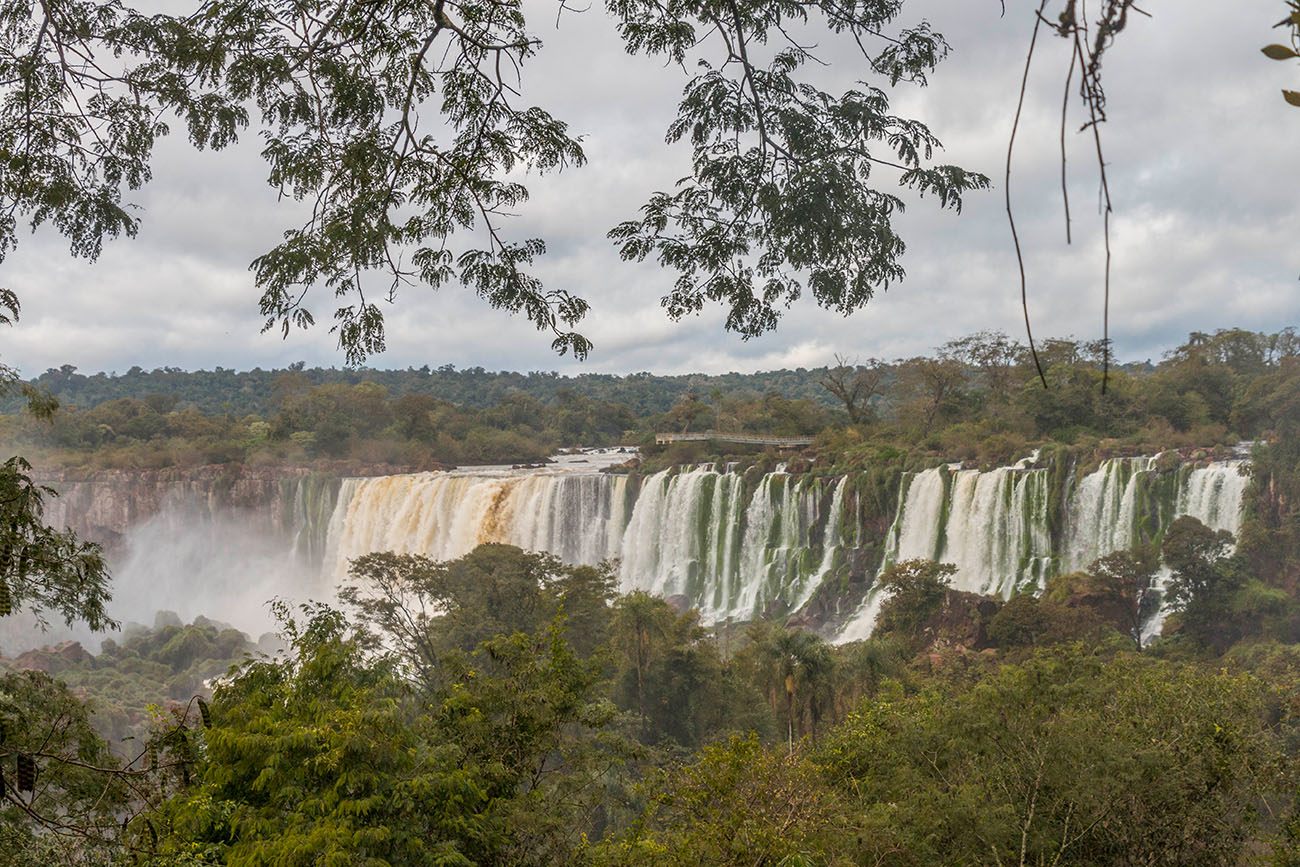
(640, 622)
(862, 666)
(797, 665)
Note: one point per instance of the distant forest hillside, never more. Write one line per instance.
(979, 398)
(254, 391)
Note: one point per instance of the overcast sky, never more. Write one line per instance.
(1203, 167)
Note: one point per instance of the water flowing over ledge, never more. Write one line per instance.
(734, 544)
(731, 549)
(737, 546)
(997, 527)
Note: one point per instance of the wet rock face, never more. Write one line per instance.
(102, 506)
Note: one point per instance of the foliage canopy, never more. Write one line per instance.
(402, 128)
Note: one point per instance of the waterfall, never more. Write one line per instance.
(991, 525)
(730, 550)
(832, 544)
(1104, 511)
(1216, 495)
(994, 526)
(1118, 505)
(308, 509)
(576, 516)
(917, 525)
(740, 545)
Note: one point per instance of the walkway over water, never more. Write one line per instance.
(783, 442)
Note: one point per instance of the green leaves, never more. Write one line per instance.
(43, 569)
(341, 104)
(780, 199)
(75, 128)
(59, 773)
(1285, 52)
(330, 753)
(402, 127)
(1123, 760)
(917, 588)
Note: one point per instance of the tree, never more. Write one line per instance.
(1284, 52)
(795, 669)
(1024, 621)
(994, 355)
(641, 627)
(916, 589)
(328, 756)
(403, 125)
(737, 804)
(427, 609)
(854, 385)
(861, 667)
(1068, 758)
(42, 569)
(74, 813)
(929, 389)
(57, 804)
(1118, 588)
(689, 410)
(1272, 404)
(1204, 580)
(65, 797)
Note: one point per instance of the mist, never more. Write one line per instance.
(226, 566)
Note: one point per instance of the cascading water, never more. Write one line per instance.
(1104, 512)
(991, 525)
(1120, 504)
(994, 526)
(309, 506)
(1216, 495)
(684, 536)
(917, 524)
(735, 545)
(695, 533)
(578, 517)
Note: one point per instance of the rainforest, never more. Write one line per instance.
(457, 617)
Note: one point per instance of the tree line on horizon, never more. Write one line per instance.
(978, 398)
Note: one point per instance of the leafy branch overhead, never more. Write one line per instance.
(42, 569)
(402, 127)
(1288, 52)
(781, 193)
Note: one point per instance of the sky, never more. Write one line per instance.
(1201, 158)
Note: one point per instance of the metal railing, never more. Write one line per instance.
(661, 438)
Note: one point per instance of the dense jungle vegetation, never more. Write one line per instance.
(539, 718)
(507, 709)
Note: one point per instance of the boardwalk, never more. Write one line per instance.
(783, 442)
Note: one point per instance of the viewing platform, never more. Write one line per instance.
(753, 439)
